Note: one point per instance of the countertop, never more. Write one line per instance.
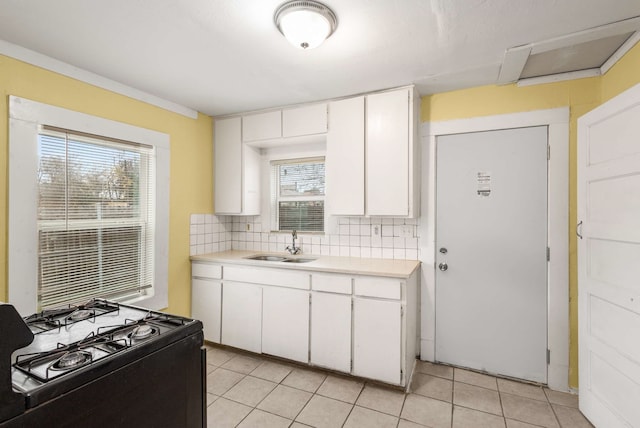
(348, 265)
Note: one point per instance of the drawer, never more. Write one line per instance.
(331, 283)
(268, 276)
(385, 288)
(206, 270)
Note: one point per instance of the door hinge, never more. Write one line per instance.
(548, 152)
(548, 356)
(548, 254)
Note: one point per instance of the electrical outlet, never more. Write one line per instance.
(248, 227)
(376, 230)
(406, 231)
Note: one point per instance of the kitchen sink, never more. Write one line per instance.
(298, 260)
(268, 258)
(274, 258)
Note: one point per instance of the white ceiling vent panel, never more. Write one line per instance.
(587, 53)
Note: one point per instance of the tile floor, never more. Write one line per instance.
(246, 390)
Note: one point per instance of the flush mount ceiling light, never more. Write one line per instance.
(306, 24)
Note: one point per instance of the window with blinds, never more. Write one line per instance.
(95, 217)
(298, 195)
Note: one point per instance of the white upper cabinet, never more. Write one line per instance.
(372, 155)
(227, 143)
(345, 158)
(307, 120)
(262, 126)
(388, 139)
(236, 170)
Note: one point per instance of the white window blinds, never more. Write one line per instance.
(298, 194)
(95, 217)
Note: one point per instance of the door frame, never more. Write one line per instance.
(557, 121)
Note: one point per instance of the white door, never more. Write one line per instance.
(242, 316)
(491, 244)
(206, 306)
(609, 262)
(377, 335)
(285, 323)
(387, 153)
(331, 331)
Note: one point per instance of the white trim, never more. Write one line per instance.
(560, 77)
(622, 50)
(557, 121)
(25, 117)
(52, 64)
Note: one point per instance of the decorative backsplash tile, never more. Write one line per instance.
(389, 238)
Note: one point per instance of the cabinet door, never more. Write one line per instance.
(285, 323)
(331, 331)
(242, 316)
(227, 171)
(307, 120)
(377, 335)
(387, 165)
(250, 180)
(206, 306)
(345, 158)
(262, 126)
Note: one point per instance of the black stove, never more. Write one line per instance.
(55, 319)
(93, 347)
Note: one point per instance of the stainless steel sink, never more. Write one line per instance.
(268, 258)
(275, 258)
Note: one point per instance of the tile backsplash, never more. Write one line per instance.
(375, 237)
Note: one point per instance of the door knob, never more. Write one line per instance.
(443, 266)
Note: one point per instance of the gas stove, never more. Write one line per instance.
(76, 346)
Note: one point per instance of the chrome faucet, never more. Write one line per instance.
(293, 250)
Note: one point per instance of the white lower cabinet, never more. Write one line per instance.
(206, 306)
(377, 339)
(242, 316)
(364, 325)
(285, 323)
(331, 331)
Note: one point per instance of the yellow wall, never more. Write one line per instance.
(191, 157)
(580, 96)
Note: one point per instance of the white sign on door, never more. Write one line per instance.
(484, 184)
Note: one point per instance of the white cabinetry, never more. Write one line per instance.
(306, 120)
(206, 298)
(373, 155)
(331, 331)
(285, 323)
(242, 316)
(387, 160)
(377, 344)
(262, 126)
(359, 324)
(236, 170)
(345, 158)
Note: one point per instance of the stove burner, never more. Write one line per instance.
(80, 314)
(72, 360)
(142, 331)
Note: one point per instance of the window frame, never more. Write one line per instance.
(25, 120)
(70, 225)
(275, 196)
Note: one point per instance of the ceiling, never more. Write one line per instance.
(226, 56)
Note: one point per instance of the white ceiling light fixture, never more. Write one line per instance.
(306, 24)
